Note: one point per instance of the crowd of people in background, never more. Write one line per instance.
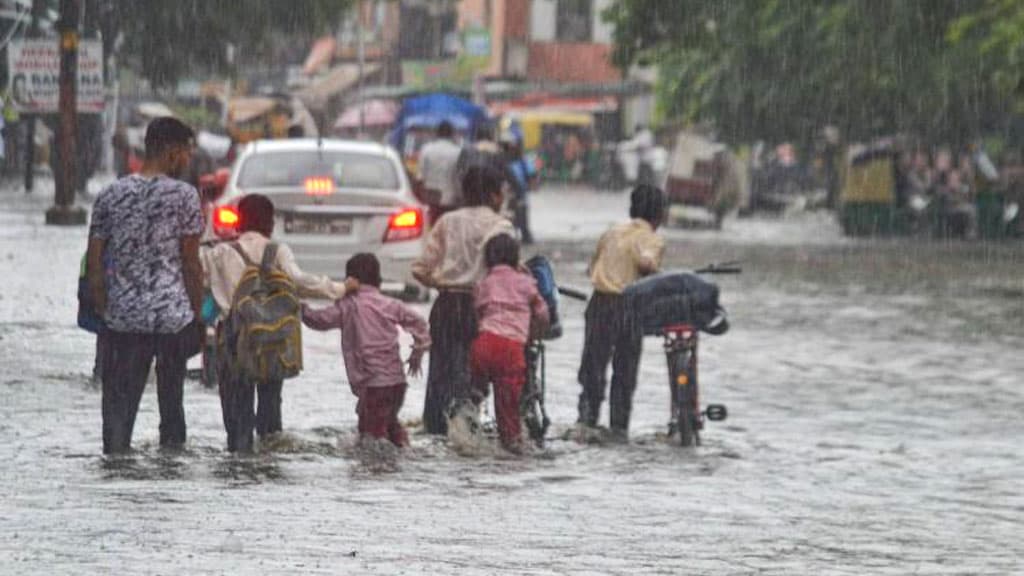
(945, 183)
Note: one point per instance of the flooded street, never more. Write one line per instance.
(874, 391)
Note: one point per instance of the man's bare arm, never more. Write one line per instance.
(192, 271)
(95, 274)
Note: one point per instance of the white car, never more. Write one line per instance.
(333, 199)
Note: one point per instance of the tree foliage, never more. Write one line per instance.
(166, 40)
(781, 69)
(995, 33)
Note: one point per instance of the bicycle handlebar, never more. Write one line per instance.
(573, 293)
(720, 268)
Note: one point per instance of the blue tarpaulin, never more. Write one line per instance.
(430, 110)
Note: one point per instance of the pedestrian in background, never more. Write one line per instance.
(453, 262)
(523, 178)
(625, 253)
(148, 227)
(437, 172)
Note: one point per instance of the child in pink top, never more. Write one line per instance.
(369, 323)
(507, 303)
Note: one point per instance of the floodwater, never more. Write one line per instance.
(875, 399)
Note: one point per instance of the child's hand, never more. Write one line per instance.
(415, 363)
(351, 285)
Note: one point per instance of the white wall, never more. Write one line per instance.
(602, 30)
(543, 20)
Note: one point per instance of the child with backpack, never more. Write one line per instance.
(369, 323)
(256, 284)
(509, 308)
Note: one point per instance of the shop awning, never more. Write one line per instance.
(338, 80)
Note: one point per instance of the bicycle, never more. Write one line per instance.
(531, 403)
(680, 342)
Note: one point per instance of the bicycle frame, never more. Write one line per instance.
(687, 419)
(680, 344)
(531, 403)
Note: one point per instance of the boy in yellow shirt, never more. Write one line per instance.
(625, 253)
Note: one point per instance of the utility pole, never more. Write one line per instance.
(361, 53)
(30, 119)
(64, 212)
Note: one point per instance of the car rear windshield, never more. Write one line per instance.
(291, 169)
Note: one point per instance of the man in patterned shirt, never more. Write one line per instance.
(146, 229)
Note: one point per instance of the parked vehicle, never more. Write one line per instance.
(867, 199)
(560, 140)
(872, 201)
(334, 198)
(641, 160)
(704, 174)
(779, 183)
(257, 117)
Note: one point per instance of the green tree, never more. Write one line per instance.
(781, 69)
(164, 41)
(994, 35)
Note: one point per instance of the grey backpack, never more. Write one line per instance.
(262, 334)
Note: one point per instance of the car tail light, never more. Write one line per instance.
(405, 225)
(226, 217)
(319, 186)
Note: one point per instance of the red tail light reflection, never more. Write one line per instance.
(226, 217)
(405, 225)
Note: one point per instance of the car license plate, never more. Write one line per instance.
(323, 225)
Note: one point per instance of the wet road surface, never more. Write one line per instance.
(875, 398)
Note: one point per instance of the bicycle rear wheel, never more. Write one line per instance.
(682, 384)
(531, 403)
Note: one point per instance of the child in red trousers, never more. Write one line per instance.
(369, 323)
(507, 304)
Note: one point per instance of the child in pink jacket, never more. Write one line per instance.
(507, 304)
(369, 323)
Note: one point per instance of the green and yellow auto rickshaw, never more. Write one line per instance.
(867, 199)
(563, 140)
(871, 202)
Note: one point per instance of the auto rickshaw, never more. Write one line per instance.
(871, 202)
(561, 139)
(257, 117)
(867, 199)
(705, 175)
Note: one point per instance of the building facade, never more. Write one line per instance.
(545, 40)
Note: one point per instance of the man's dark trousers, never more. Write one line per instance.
(452, 331)
(127, 359)
(607, 337)
(237, 397)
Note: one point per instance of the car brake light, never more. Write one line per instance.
(226, 217)
(319, 186)
(405, 225)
